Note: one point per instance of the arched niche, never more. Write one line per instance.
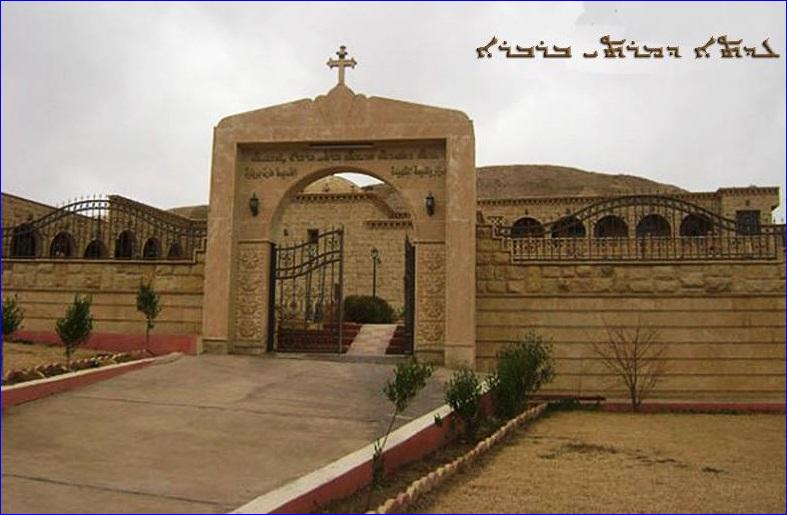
(527, 227)
(62, 246)
(151, 249)
(653, 225)
(695, 225)
(568, 227)
(611, 226)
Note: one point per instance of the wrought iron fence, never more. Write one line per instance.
(648, 227)
(110, 227)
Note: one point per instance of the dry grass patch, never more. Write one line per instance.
(608, 462)
(21, 355)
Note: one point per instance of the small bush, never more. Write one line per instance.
(365, 309)
(13, 315)
(75, 327)
(149, 304)
(463, 394)
(409, 378)
(522, 367)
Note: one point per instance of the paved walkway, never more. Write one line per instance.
(372, 340)
(201, 434)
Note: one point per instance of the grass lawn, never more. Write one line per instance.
(595, 462)
(20, 355)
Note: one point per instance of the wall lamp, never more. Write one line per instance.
(254, 204)
(429, 204)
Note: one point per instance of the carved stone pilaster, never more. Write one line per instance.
(250, 292)
(430, 296)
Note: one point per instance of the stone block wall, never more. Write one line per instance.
(724, 322)
(17, 210)
(46, 287)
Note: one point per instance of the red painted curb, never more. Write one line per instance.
(160, 344)
(414, 448)
(25, 393)
(698, 407)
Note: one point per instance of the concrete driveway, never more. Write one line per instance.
(200, 434)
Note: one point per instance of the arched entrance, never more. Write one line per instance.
(262, 158)
(343, 240)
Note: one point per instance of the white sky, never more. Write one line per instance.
(122, 98)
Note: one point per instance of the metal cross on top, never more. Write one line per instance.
(342, 62)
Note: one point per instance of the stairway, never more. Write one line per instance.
(372, 340)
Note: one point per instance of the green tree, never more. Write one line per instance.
(409, 378)
(75, 327)
(148, 303)
(13, 316)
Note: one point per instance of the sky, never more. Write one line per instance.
(123, 97)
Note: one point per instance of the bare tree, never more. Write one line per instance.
(635, 356)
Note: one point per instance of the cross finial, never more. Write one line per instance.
(342, 62)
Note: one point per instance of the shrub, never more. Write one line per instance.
(75, 327)
(13, 315)
(365, 309)
(148, 303)
(409, 378)
(522, 367)
(635, 357)
(463, 394)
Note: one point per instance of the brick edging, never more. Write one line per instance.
(437, 477)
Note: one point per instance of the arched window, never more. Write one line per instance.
(527, 227)
(125, 246)
(611, 226)
(653, 225)
(568, 227)
(62, 246)
(695, 225)
(24, 242)
(96, 250)
(175, 251)
(152, 249)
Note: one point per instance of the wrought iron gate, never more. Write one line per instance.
(306, 312)
(409, 296)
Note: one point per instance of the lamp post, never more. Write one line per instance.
(375, 261)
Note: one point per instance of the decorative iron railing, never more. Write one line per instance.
(306, 299)
(649, 227)
(105, 228)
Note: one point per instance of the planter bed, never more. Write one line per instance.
(31, 384)
(412, 481)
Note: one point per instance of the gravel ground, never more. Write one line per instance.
(20, 355)
(614, 462)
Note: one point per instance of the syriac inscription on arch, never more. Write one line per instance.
(423, 159)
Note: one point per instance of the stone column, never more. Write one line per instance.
(219, 258)
(460, 256)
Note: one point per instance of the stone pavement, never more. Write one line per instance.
(201, 434)
(372, 340)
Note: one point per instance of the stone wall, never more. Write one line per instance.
(46, 287)
(724, 322)
(17, 210)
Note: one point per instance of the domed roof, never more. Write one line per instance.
(331, 184)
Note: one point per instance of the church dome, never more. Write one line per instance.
(331, 184)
